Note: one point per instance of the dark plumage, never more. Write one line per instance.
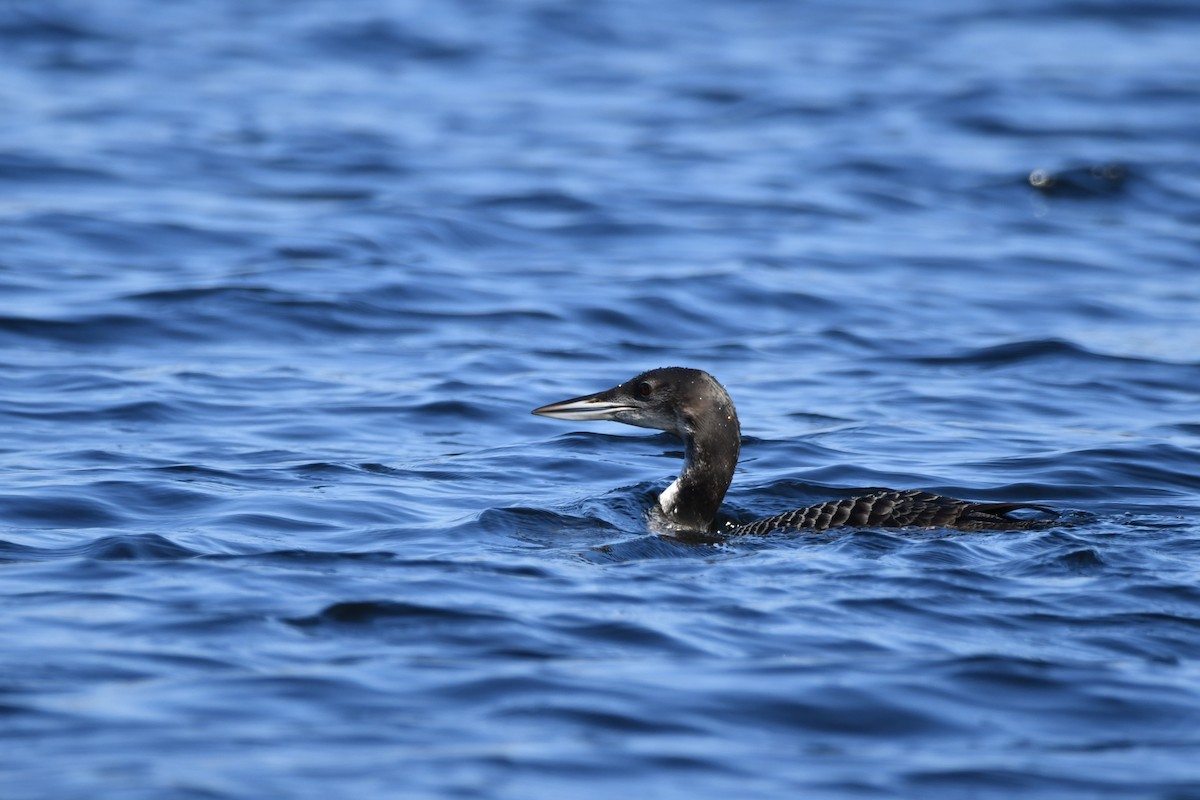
(889, 508)
(692, 405)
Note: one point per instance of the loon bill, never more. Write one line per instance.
(692, 405)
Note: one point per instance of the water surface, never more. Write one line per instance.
(281, 284)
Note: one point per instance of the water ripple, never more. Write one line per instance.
(283, 283)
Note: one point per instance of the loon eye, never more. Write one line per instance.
(644, 389)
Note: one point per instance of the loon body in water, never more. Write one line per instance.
(691, 404)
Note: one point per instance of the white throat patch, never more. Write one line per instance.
(666, 500)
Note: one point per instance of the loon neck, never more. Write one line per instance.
(711, 446)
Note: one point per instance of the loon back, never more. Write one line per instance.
(889, 508)
(691, 404)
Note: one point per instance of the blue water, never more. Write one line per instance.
(282, 281)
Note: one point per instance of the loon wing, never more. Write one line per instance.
(898, 509)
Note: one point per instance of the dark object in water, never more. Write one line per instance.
(1098, 180)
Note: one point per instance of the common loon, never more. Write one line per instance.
(691, 404)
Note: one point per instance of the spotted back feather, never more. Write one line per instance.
(888, 508)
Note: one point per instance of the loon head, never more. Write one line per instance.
(689, 403)
(656, 399)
